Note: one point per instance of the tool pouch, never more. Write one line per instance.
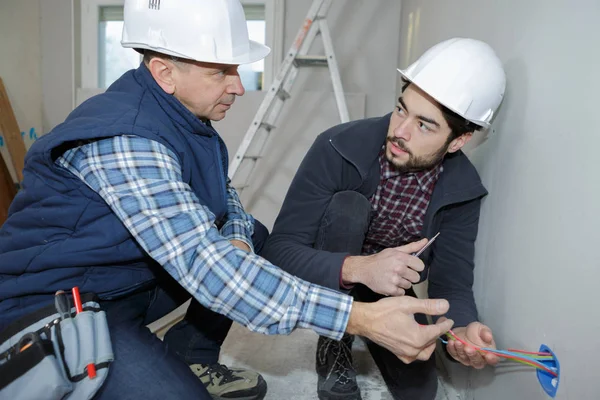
(45, 357)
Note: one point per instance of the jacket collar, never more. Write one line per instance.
(361, 142)
(176, 111)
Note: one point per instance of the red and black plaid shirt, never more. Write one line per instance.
(399, 205)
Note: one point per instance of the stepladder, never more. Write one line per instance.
(266, 119)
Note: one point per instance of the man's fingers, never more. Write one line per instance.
(452, 349)
(413, 247)
(491, 359)
(412, 305)
(430, 333)
(405, 359)
(477, 362)
(404, 284)
(471, 353)
(486, 335)
(412, 262)
(460, 352)
(426, 353)
(444, 326)
(412, 276)
(475, 358)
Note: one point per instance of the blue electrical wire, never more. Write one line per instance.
(510, 353)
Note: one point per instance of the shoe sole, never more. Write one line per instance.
(325, 394)
(262, 392)
(331, 396)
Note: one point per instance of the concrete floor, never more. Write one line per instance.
(287, 363)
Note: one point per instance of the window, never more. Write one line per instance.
(104, 59)
(252, 74)
(113, 59)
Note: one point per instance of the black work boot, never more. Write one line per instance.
(337, 376)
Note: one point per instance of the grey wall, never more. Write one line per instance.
(537, 263)
(366, 39)
(58, 72)
(365, 35)
(20, 54)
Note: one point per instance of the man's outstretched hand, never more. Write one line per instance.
(390, 323)
(475, 334)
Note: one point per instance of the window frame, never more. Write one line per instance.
(90, 12)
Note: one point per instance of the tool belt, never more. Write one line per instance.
(56, 354)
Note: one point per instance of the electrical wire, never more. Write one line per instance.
(508, 355)
(505, 354)
(528, 358)
(530, 352)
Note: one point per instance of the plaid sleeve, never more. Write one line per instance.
(142, 183)
(238, 225)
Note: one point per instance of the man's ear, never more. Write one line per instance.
(162, 72)
(459, 142)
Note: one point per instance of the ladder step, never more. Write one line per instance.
(283, 94)
(311, 61)
(267, 125)
(281, 89)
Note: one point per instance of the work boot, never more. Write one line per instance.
(337, 376)
(223, 383)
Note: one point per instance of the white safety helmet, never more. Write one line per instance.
(465, 75)
(212, 31)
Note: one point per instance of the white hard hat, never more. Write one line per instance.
(465, 75)
(212, 31)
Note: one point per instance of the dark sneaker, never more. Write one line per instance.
(223, 383)
(337, 376)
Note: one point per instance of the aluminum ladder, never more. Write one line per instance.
(251, 149)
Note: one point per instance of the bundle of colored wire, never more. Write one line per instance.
(532, 359)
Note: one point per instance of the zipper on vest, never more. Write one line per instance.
(221, 173)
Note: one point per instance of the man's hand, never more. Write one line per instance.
(241, 245)
(476, 334)
(389, 322)
(389, 272)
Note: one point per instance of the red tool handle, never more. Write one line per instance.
(91, 368)
(77, 299)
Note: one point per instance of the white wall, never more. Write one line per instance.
(20, 66)
(537, 264)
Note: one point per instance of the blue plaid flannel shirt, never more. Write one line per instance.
(141, 182)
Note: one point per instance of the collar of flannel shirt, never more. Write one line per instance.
(426, 178)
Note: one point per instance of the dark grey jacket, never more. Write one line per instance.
(345, 157)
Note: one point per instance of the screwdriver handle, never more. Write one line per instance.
(61, 302)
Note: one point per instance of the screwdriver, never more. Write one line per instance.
(61, 302)
(418, 253)
(91, 368)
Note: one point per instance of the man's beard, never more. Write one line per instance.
(416, 163)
